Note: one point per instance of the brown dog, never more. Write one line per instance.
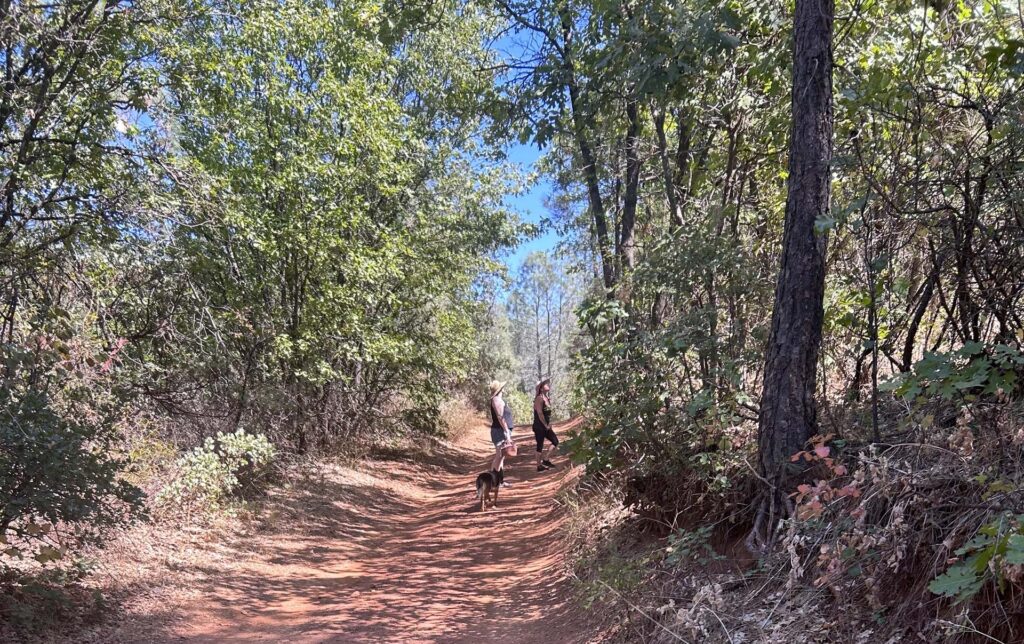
(485, 483)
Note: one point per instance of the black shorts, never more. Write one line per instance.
(540, 433)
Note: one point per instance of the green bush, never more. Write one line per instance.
(224, 467)
(691, 545)
(521, 405)
(58, 457)
(971, 370)
(986, 558)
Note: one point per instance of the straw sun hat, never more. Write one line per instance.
(496, 387)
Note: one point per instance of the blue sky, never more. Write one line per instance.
(530, 205)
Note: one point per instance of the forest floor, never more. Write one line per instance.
(392, 550)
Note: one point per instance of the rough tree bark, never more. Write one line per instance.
(788, 413)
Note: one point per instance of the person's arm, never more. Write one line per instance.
(509, 421)
(500, 413)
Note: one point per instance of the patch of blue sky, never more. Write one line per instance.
(530, 205)
(513, 47)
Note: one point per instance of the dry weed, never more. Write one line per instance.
(458, 419)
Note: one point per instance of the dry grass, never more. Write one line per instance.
(143, 574)
(458, 418)
(132, 587)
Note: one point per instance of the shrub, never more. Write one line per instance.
(995, 554)
(691, 545)
(458, 418)
(229, 465)
(968, 371)
(521, 405)
(59, 471)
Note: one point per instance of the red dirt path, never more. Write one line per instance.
(399, 551)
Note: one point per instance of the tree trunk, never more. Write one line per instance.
(536, 334)
(547, 334)
(632, 186)
(675, 212)
(590, 177)
(788, 413)
(923, 302)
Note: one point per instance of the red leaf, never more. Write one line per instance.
(812, 509)
(849, 490)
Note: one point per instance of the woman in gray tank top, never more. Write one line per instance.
(501, 431)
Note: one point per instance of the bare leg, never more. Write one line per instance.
(499, 459)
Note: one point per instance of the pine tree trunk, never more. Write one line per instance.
(788, 414)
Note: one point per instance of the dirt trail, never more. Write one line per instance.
(399, 552)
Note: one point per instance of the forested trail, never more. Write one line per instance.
(399, 551)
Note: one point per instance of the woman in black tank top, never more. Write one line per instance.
(542, 425)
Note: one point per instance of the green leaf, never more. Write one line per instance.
(960, 581)
(1015, 549)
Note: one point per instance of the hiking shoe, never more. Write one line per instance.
(547, 463)
(541, 468)
(505, 484)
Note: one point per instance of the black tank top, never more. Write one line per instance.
(494, 416)
(547, 416)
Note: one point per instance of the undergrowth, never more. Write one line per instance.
(458, 417)
(917, 538)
